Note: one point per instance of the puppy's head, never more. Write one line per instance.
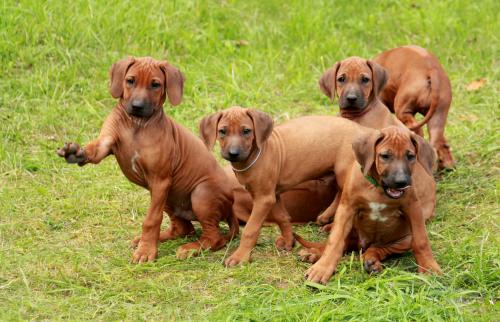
(355, 80)
(142, 85)
(238, 130)
(389, 156)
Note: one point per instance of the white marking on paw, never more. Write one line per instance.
(375, 213)
(134, 160)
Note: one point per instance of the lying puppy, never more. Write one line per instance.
(303, 203)
(153, 151)
(418, 84)
(357, 82)
(269, 161)
(379, 204)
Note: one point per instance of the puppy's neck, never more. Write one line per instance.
(352, 114)
(253, 158)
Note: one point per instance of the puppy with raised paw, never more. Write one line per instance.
(155, 152)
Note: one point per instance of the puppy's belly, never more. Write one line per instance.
(185, 214)
(381, 226)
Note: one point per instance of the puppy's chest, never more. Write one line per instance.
(374, 211)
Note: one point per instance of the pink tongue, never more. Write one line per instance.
(394, 192)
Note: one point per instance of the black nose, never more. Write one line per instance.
(351, 98)
(138, 104)
(401, 182)
(233, 153)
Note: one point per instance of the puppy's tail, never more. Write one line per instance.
(309, 244)
(434, 88)
(234, 226)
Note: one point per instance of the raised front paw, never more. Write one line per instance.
(320, 273)
(72, 153)
(145, 252)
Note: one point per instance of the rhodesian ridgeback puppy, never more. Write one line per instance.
(379, 203)
(153, 151)
(418, 84)
(358, 82)
(303, 203)
(268, 161)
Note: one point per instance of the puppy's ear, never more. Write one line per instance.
(425, 153)
(208, 129)
(174, 83)
(117, 75)
(379, 77)
(262, 124)
(327, 82)
(364, 149)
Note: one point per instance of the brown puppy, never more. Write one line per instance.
(270, 161)
(418, 84)
(303, 203)
(358, 82)
(153, 151)
(380, 203)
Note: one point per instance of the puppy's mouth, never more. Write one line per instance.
(395, 193)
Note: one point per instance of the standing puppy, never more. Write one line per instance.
(418, 84)
(158, 154)
(358, 82)
(269, 161)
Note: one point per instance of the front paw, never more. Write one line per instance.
(372, 265)
(145, 252)
(320, 273)
(72, 153)
(324, 219)
(237, 259)
(283, 243)
(326, 228)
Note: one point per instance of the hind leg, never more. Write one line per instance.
(374, 256)
(436, 137)
(405, 111)
(210, 205)
(179, 228)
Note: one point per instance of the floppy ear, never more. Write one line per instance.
(117, 75)
(174, 83)
(379, 77)
(327, 82)
(364, 149)
(425, 153)
(262, 124)
(208, 129)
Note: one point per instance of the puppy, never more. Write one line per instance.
(268, 161)
(418, 84)
(160, 155)
(379, 204)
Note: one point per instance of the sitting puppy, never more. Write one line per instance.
(153, 151)
(303, 203)
(379, 204)
(268, 161)
(419, 84)
(357, 82)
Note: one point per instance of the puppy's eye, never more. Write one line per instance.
(365, 80)
(130, 81)
(155, 85)
(247, 131)
(222, 132)
(410, 156)
(385, 156)
(341, 79)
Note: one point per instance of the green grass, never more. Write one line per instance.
(64, 230)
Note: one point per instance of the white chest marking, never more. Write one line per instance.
(134, 160)
(375, 213)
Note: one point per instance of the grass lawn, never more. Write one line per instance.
(65, 230)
